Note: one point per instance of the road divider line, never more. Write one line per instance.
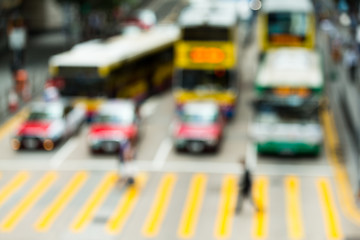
(96, 199)
(343, 186)
(192, 207)
(64, 152)
(331, 218)
(16, 183)
(21, 209)
(251, 155)
(260, 224)
(50, 214)
(225, 215)
(163, 151)
(293, 208)
(13, 122)
(159, 206)
(126, 205)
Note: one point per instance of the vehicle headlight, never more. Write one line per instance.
(15, 143)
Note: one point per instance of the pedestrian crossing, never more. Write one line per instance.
(184, 206)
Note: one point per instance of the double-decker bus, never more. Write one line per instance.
(289, 90)
(131, 66)
(206, 56)
(284, 23)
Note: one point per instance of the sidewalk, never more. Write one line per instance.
(344, 100)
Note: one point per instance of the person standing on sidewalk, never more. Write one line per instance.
(17, 42)
(245, 188)
(351, 61)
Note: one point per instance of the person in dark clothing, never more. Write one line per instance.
(245, 188)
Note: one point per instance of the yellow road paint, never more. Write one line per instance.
(260, 225)
(126, 205)
(21, 209)
(293, 208)
(159, 206)
(50, 214)
(332, 223)
(193, 205)
(226, 207)
(8, 126)
(17, 182)
(93, 203)
(343, 187)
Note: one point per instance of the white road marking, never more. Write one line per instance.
(208, 167)
(64, 152)
(148, 108)
(163, 151)
(251, 155)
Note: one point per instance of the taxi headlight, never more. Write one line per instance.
(15, 144)
(48, 144)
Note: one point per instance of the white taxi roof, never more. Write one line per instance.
(287, 6)
(98, 53)
(292, 67)
(201, 107)
(117, 107)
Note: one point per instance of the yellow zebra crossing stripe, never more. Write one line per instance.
(16, 183)
(332, 224)
(193, 205)
(126, 205)
(50, 214)
(21, 209)
(226, 207)
(95, 200)
(293, 208)
(159, 206)
(260, 221)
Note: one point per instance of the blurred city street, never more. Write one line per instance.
(70, 192)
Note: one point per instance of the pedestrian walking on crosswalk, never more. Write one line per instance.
(126, 158)
(245, 188)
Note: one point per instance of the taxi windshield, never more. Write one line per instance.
(198, 118)
(49, 115)
(114, 119)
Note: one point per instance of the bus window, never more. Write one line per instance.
(206, 34)
(293, 24)
(205, 80)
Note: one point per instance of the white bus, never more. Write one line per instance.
(289, 88)
(131, 66)
(290, 71)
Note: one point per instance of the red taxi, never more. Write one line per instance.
(116, 121)
(199, 127)
(47, 124)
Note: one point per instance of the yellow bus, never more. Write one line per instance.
(284, 23)
(206, 56)
(130, 66)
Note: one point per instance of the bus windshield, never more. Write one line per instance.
(84, 87)
(206, 34)
(205, 80)
(284, 23)
(272, 113)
